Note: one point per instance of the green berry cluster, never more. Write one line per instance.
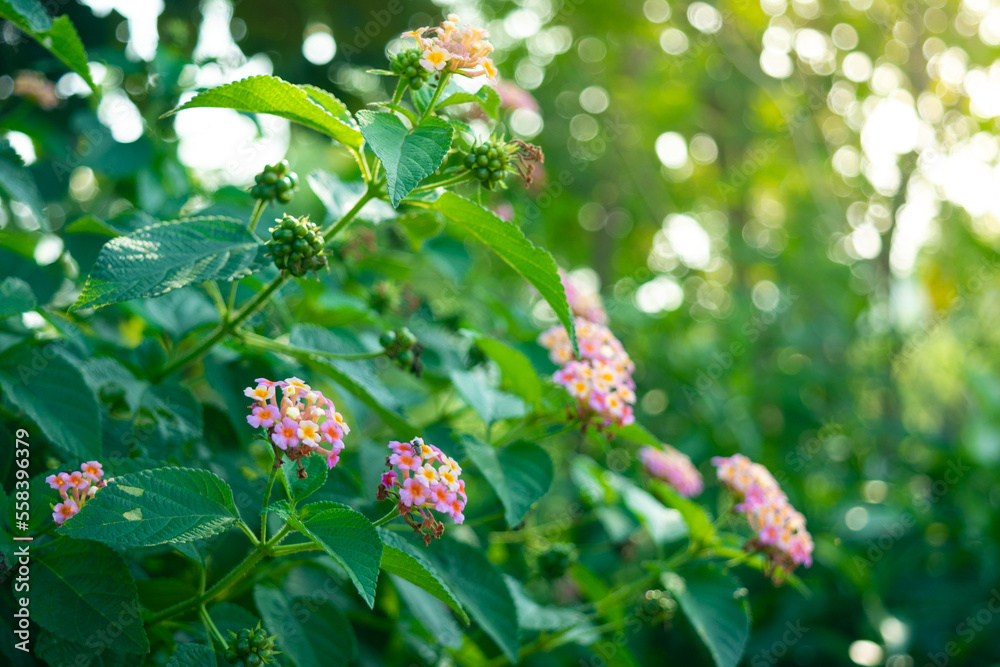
(275, 182)
(402, 346)
(553, 563)
(488, 162)
(250, 648)
(297, 245)
(406, 65)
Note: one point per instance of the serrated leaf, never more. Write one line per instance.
(351, 539)
(58, 36)
(192, 655)
(164, 257)
(520, 481)
(489, 403)
(519, 375)
(312, 633)
(508, 241)
(16, 297)
(408, 156)
(356, 376)
(480, 587)
(400, 558)
(51, 390)
(156, 506)
(715, 603)
(306, 105)
(84, 592)
(298, 489)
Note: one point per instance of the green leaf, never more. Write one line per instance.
(192, 655)
(17, 183)
(400, 558)
(480, 587)
(164, 257)
(699, 524)
(356, 376)
(297, 489)
(429, 612)
(542, 618)
(521, 481)
(715, 603)
(507, 240)
(83, 592)
(490, 404)
(51, 390)
(16, 297)
(306, 105)
(486, 97)
(519, 375)
(57, 36)
(636, 432)
(351, 539)
(312, 632)
(152, 507)
(420, 226)
(408, 156)
(232, 617)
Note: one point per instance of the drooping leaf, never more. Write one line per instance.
(481, 589)
(312, 633)
(507, 240)
(408, 155)
(16, 182)
(47, 385)
(192, 655)
(543, 618)
(156, 506)
(306, 105)
(355, 376)
(298, 489)
(715, 603)
(164, 257)
(519, 376)
(400, 558)
(353, 542)
(16, 297)
(489, 403)
(430, 612)
(520, 481)
(486, 97)
(84, 592)
(57, 36)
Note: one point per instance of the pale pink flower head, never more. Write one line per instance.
(672, 467)
(461, 49)
(75, 489)
(263, 416)
(63, 511)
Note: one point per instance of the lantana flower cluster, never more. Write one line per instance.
(583, 299)
(781, 530)
(301, 423)
(422, 478)
(76, 488)
(674, 468)
(601, 379)
(462, 49)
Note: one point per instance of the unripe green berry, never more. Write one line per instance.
(406, 338)
(387, 338)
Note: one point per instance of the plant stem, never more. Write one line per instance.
(267, 499)
(258, 211)
(340, 224)
(400, 89)
(213, 291)
(453, 180)
(249, 533)
(207, 620)
(442, 84)
(296, 548)
(265, 343)
(215, 591)
(388, 517)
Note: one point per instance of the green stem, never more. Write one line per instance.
(445, 182)
(400, 89)
(340, 224)
(267, 499)
(249, 533)
(273, 542)
(213, 291)
(388, 517)
(265, 343)
(207, 620)
(442, 84)
(220, 587)
(296, 548)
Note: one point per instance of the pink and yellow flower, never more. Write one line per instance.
(75, 488)
(672, 467)
(300, 423)
(461, 49)
(780, 530)
(423, 478)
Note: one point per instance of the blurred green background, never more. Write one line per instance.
(791, 209)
